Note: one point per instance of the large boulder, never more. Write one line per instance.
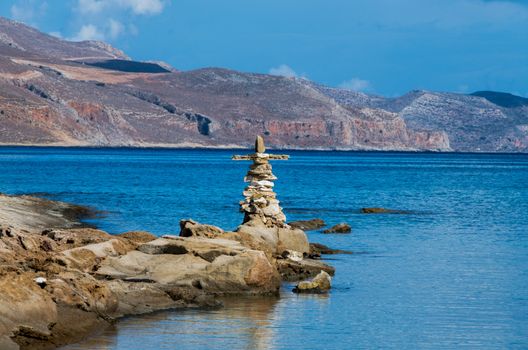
(260, 232)
(274, 239)
(216, 266)
(23, 302)
(38, 315)
(292, 239)
(207, 249)
(252, 241)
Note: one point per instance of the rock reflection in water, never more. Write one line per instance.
(243, 323)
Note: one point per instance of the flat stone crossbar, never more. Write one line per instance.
(261, 156)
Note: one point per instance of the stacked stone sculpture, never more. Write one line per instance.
(260, 201)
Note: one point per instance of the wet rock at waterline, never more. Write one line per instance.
(292, 270)
(308, 225)
(319, 284)
(375, 210)
(318, 249)
(339, 228)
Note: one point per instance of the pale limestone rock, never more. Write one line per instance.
(259, 145)
(319, 284)
(218, 266)
(292, 239)
(271, 210)
(260, 200)
(262, 232)
(85, 258)
(191, 228)
(265, 183)
(293, 255)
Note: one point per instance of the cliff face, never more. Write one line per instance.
(481, 122)
(56, 92)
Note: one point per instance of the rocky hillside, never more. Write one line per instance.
(484, 121)
(56, 92)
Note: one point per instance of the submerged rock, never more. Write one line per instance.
(308, 225)
(319, 284)
(318, 249)
(375, 210)
(339, 228)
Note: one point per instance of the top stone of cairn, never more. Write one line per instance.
(259, 145)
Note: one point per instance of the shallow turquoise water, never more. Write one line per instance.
(453, 275)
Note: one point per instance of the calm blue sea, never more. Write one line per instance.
(452, 275)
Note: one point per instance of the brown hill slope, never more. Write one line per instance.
(52, 93)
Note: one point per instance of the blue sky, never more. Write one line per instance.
(385, 47)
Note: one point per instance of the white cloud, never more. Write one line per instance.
(284, 71)
(104, 19)
(143, 7)
(115, 28)
(91, 6)
(112, 29)
(138, 7)
(88, 32)
(356, 84)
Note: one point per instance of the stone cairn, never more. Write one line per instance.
(260, 201)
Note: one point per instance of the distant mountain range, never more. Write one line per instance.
(56, 92)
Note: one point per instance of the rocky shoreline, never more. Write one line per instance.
(61, 282)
